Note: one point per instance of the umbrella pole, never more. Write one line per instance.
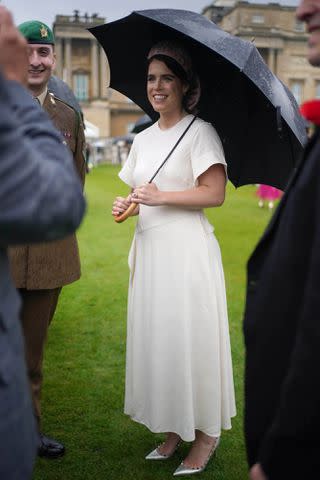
(121, 218)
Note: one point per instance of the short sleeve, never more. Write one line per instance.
(126, 173)
(206, 150)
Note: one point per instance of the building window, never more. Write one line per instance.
(81, 86)
(257, 18)
(297, 90)
(299, 26)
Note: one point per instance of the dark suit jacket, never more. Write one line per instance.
(31, 154)
(282, 333)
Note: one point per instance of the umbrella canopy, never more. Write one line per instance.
(142, 123)
(255, 115)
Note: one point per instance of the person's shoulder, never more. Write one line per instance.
(204, 126)
(65, 113)
(203, 129)
(206, 132)
(62, 105)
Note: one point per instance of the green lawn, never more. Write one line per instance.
(85, 355)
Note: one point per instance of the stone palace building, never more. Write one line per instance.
(82, 64)
(278, 35)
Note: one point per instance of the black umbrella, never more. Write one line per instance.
(141, 124)
(255, 115)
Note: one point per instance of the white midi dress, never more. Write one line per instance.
(178, 366)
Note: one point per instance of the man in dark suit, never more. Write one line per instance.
(31, 154)
(282, 320)
(40, 271)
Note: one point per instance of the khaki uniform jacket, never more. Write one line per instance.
(54, 264)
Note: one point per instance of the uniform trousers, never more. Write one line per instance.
(38, 308)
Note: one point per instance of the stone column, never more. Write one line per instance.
(67, 71)
(104, 74)
(272, 60)
(59, 54)
(309, 87)
(94, 69)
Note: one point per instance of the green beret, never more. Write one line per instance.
(36, 32)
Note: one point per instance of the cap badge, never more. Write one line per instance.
(43, 32)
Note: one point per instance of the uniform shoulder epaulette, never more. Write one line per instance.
(54, 99)
(77, 116)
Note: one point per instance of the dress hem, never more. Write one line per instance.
(184, 439)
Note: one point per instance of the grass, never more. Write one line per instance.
(85, 355)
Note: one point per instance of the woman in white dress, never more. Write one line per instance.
(179, 370)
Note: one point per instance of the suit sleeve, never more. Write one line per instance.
(290, 449)
(40, 195)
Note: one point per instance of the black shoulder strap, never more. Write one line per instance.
(171, 151)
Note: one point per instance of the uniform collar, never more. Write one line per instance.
(42, 96)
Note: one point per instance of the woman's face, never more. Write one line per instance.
(165, 90)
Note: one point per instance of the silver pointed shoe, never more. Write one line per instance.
(185, 470)
(156, 455)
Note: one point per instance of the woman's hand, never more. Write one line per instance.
(147, 194)
(120, 205)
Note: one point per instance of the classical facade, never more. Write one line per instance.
(82, 64)
(278, 35)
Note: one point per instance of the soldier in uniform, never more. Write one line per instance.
(39, 271)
